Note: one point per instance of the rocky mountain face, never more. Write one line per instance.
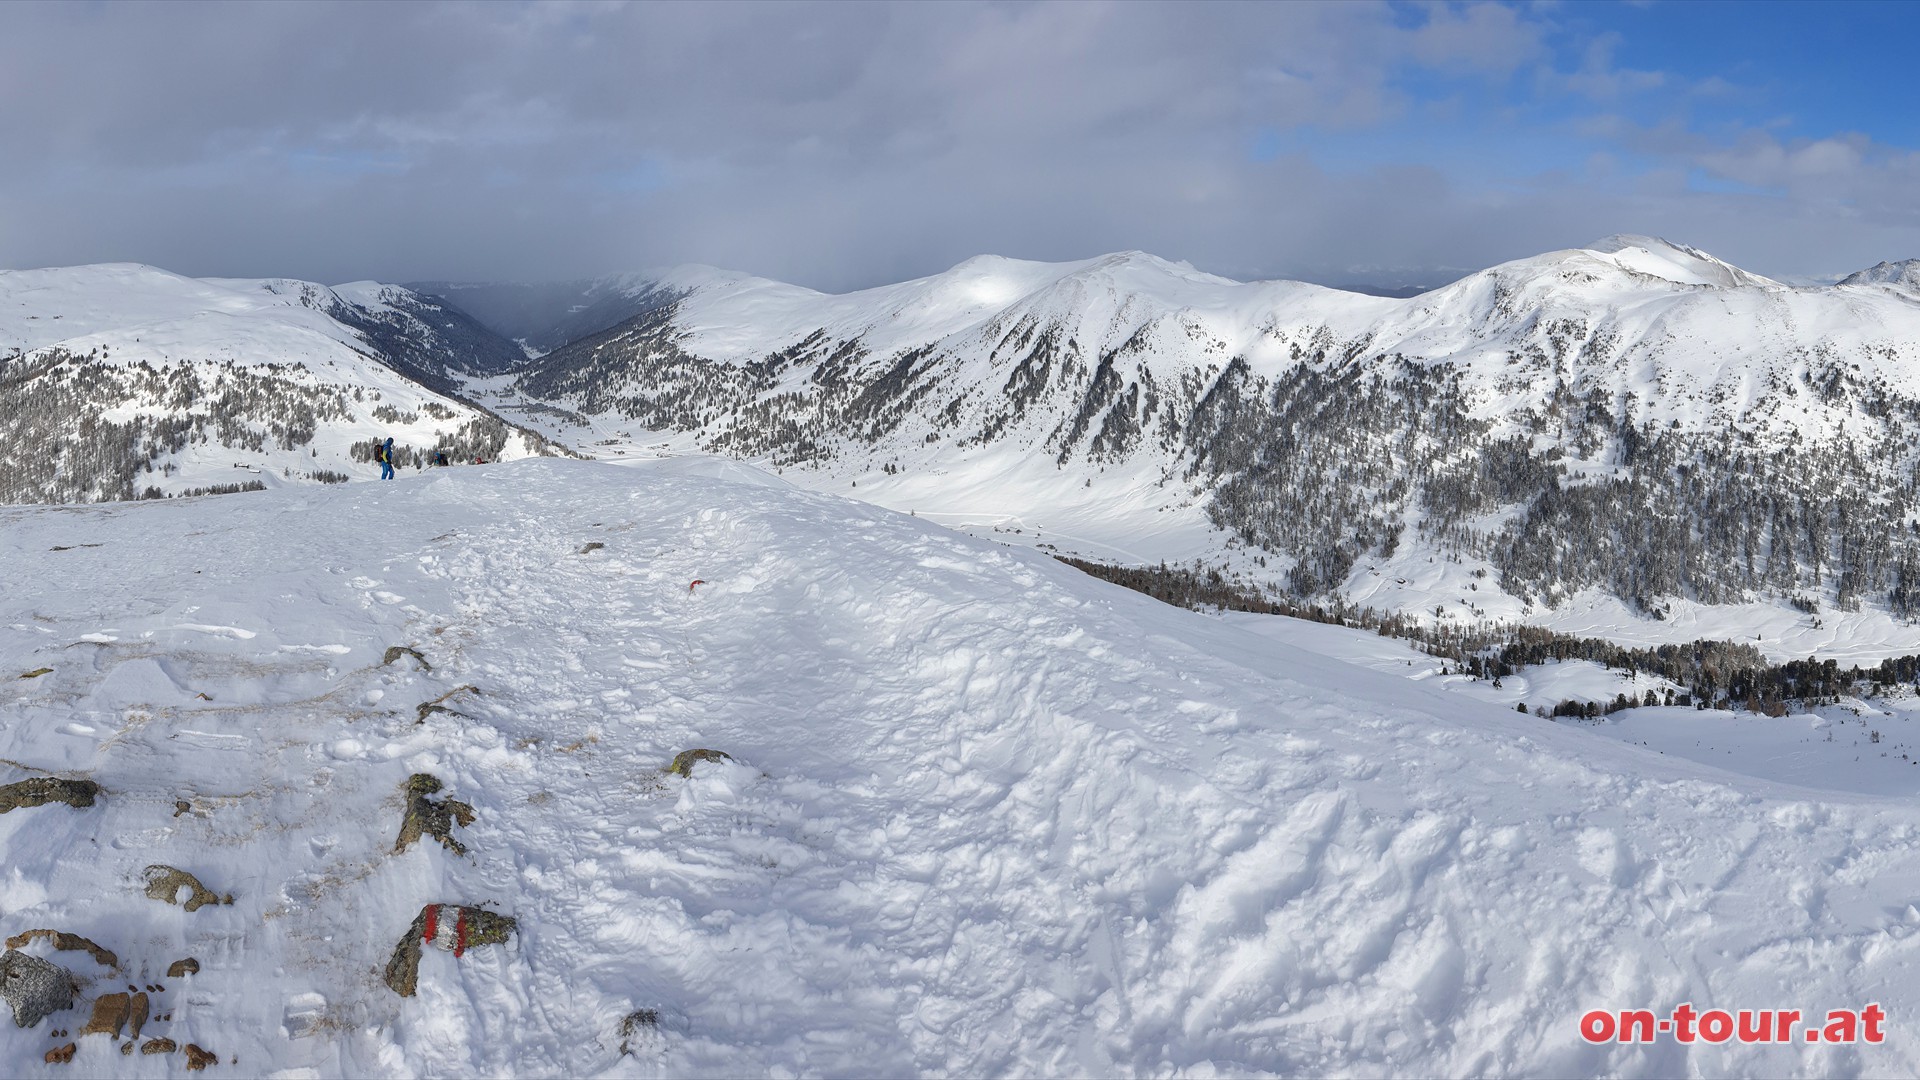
(123, 381)
(1634, 417)
(431, 341)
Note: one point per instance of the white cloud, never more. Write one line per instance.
(837, 145)
(1598, 79)
(1482, 38)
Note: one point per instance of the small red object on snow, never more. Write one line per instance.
(430, 929)
(696, 581)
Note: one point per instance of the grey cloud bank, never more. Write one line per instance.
(845, 145)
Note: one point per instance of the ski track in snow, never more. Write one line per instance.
(986, 816)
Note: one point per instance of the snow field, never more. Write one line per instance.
(985, 815)
(1855, 746)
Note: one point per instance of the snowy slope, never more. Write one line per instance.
(122, 379)
(1757, 439)
(1854, 745)
(88, 305)
(1901, 277)
(985, 815)
(433, 342)
(81, 307)
(1904, 275)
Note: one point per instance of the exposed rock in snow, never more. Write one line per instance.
(33, 987)
(989, 816)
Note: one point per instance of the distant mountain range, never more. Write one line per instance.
(1633, 419)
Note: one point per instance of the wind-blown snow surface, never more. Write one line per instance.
(986, 815)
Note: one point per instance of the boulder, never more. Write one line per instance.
(431, 817)
(684, 761)
(110, 1013)
(42, 790)
(165, 882)
(33, 987)
(451, 927)
(66, 942)
(395, 652)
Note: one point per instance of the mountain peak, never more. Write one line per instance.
(1626, 241)
(1146, 263)
(1678, 263)
(683, 278)
(1903, 274)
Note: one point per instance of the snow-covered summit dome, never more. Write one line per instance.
(1677, 263)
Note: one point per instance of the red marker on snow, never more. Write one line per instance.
(696, 581)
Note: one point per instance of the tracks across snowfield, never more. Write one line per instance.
(983, 815)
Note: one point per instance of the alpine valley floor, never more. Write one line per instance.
(983, 815)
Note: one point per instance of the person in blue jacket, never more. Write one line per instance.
(384, 455)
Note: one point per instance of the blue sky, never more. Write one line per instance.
(1770, 117)
(1806, 70)
(842, 145)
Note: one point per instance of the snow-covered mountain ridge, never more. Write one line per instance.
(1634, 423)
(121, 380)
(983, 815)
(1904, 274)
(1634, 419)
(145, 311)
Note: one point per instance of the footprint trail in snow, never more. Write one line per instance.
(976, 814)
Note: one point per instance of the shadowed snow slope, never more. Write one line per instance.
(984, 815)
